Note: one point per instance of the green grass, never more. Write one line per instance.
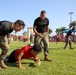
(64, 62)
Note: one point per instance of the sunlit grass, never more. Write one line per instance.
(63, 62)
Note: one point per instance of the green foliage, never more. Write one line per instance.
(50, 31)
(24, 33)
(72, 24)
(59, 31)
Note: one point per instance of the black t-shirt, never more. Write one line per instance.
(69, 33)
(5, 28)
(41, 24)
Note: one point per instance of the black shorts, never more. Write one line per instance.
(11, 57)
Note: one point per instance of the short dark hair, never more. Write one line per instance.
(37, 48)
(20, 23)
(43, 12)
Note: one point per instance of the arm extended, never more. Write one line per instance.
(19, 60)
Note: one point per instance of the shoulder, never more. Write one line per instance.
(47, 19)
(37, 19)
(5, 22)
(27, 47)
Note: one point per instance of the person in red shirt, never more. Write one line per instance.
(26, 52)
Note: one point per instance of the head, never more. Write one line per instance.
(43, 14)
(37, 49)
(18, 25)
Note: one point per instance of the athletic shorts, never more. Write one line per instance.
(11, 57)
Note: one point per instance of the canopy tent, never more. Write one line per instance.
(66, 31)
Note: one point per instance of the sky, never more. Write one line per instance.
(29, 10)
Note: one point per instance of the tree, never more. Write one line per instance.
(59, 31)
(62, 29)
(72, 24)
(50, 31)
(24, 33)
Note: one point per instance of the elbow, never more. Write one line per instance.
(18, 58)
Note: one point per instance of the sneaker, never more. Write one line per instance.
(2, 64)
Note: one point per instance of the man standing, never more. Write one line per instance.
(68, 40)
(41, 30)
(6, 28)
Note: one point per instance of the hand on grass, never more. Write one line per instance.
(38, 62)
(22, 67)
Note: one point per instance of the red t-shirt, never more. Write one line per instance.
(26, 50)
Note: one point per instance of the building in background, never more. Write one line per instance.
(29, 31)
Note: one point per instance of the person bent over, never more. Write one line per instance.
(26, 52)
(7, 27)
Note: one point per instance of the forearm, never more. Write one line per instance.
(39, 34)
(36, 32)
(19, 63)
(19, 60)
(47, 29)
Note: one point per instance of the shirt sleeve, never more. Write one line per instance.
(47, 22)
(35, 23)
(23, 49)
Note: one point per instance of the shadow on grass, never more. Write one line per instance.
(30, 64)
(60, 48)
(12, 64)
(16, 65)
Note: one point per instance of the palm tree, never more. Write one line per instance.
(50, 31)
(72, 24)
(24, 33)
(58, 31)
(62, 29)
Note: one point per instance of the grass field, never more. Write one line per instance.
(64, 62)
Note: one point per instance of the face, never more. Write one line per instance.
(34, 52)
(43, 16)
(18, 28)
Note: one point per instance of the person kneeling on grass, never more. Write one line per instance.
(25, 53)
